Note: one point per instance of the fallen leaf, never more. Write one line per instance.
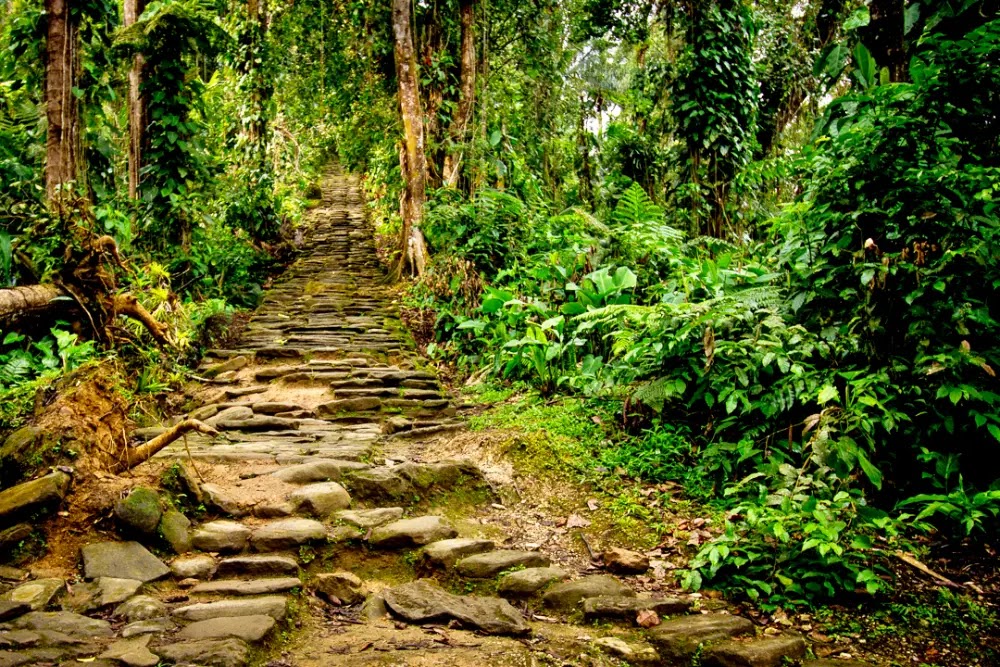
(592, 505)
(647, 618)
(576, 521)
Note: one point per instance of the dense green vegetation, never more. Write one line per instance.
(765, 233)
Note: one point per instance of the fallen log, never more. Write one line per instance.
(28, 299)
(17, 302)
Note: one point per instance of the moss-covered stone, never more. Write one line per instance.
(140, 510)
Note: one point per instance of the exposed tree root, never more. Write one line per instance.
(133, 456)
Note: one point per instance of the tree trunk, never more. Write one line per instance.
(413, 158)
(257, 130)
(884, 37)
(136, 105)
(61, 110)
(25, 300)
(466, 96)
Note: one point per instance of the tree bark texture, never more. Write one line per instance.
(136, 105)
(466, 93)
(413, 157)
(61, 109)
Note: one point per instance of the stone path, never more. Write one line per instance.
(314, 533)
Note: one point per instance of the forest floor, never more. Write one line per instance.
(355, 512)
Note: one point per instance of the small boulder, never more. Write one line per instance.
(414, 532)
(219, 499)
(176, 530)
(344, 587)
(321, 499)
(196, 566)
(568, 595)
(140, 608)
(139, 511)
(230, 414)
(321, 470)
(624, 561)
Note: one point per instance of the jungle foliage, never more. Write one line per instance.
(766, 230)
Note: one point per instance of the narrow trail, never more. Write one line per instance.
(329, 535)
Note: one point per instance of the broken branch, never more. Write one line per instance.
(136, 455)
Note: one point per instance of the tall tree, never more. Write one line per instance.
(466, 93)
(412, 157)
(136, 104)
(61, 109)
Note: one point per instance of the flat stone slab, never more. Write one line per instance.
(247, 628)
(287, 534)
(35, 594)
(270, 605)
(370, 518)
(248, 587)
(679, 638)
(524, 583)
(320, 470)
(763, 652)
(29, 496)
(422, 602)
(229, 652)
(221, 536)
(617, 607)
(10, 609)
(490, 564)
(568, 595)
(257, 564)
(132, 652)
(445, 553)
(414, 532)
(66, 622)
(122, 560)
(153, 626)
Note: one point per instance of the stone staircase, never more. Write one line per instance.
(321, 536)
